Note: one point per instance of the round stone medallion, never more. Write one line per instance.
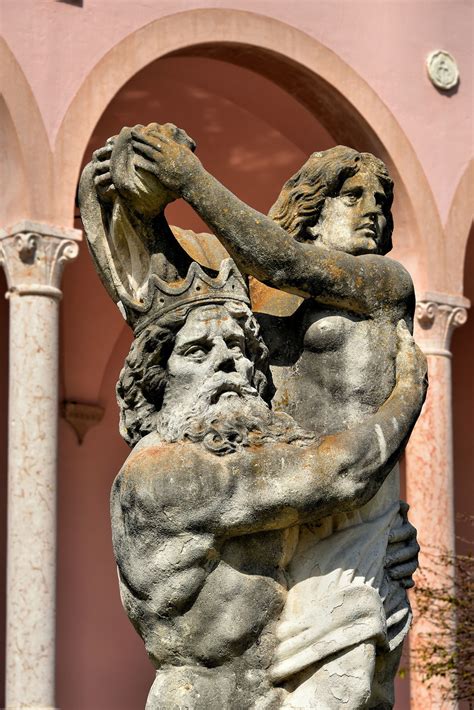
(442, 69)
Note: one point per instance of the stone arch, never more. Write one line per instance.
(24, 146)
(297, 62)
(16, 197)
(458, 228)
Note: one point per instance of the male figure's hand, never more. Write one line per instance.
(401, 559)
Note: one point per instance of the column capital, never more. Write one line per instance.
(436, 317)
(33, 256)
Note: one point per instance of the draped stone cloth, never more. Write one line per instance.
(339, 592)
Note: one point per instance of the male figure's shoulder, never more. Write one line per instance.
(153, 456)
(157, 459)
(181, 482)
(187, 487)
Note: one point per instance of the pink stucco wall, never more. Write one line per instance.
(385, 42)
(252, 135)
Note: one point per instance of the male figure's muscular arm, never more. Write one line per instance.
(273, 487)
(341, 472)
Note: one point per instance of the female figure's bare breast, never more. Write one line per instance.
(344, 371)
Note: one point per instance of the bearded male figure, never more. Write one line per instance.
(207, 509)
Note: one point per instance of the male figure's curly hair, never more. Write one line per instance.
(144, 376)
(302, 198)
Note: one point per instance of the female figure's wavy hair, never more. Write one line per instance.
(144, 376)
(302, 198)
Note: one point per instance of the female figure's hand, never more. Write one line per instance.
(137, 164)
(166, 152)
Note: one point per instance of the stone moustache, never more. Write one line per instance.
(263, 554)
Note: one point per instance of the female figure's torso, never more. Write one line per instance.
(344, 371)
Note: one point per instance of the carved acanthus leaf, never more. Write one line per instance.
(33, 256)
(436, 319)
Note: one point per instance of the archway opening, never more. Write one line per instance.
(14, 206)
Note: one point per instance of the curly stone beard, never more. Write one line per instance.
(226, 415)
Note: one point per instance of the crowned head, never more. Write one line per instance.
(197, 288)
(201, 353)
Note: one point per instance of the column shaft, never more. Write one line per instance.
(429, 470)
(430, 462)
(33, 256)
(31, 561)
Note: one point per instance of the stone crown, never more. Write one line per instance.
(197, 287)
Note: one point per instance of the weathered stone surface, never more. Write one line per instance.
(262, 550)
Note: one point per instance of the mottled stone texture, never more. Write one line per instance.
(262, 550)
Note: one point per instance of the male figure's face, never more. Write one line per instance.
(209, 356)
(210, 396)
(354, 221)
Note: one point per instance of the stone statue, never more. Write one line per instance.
(251, 540)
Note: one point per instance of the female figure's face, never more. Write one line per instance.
(354, 221)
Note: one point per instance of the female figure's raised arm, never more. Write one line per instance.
(262, 248)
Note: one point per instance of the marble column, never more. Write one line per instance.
(33, 256)
(429, 464)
